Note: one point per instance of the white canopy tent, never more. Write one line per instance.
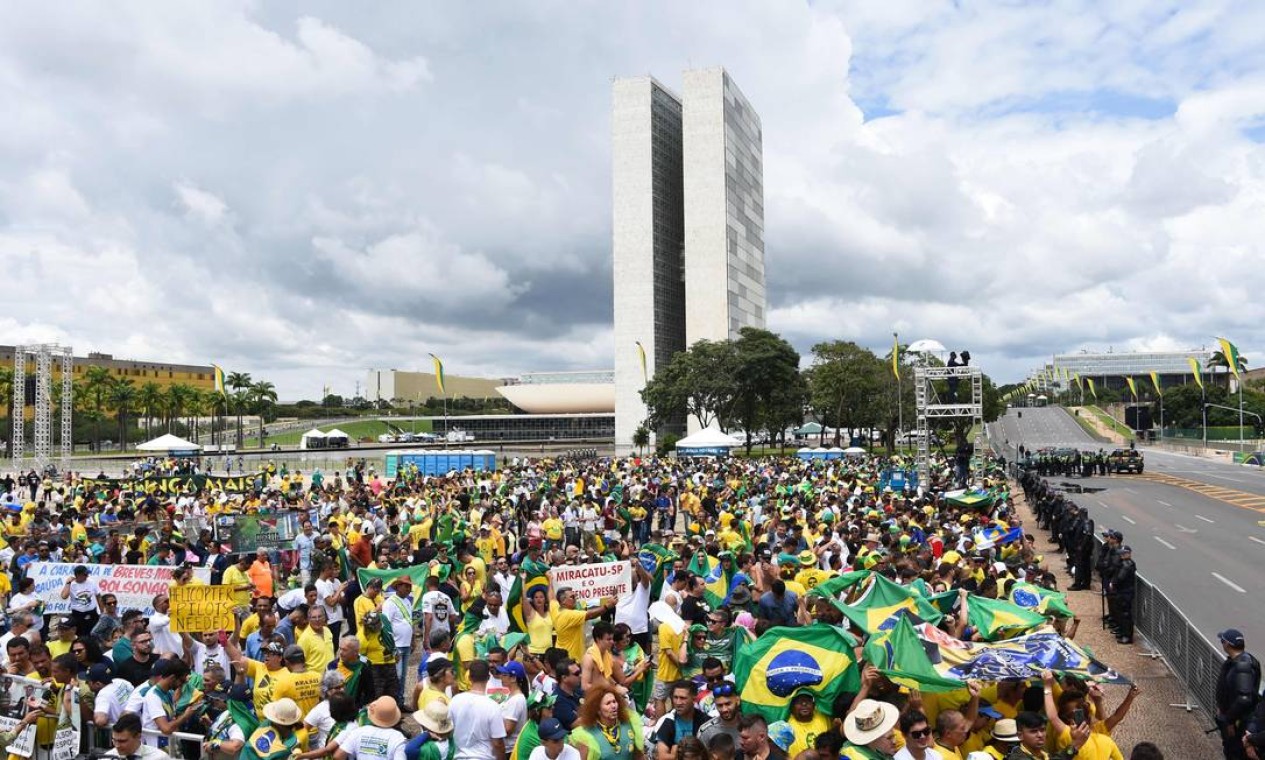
(708, 442)
(337, 439)
(169, 444)
(313, 439)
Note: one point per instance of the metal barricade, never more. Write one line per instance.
(1190, 656)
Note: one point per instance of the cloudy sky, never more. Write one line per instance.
(305, 190)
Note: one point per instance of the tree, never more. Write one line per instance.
(698, 382)
(149, 399)
(239, 382)
(786, 406)
(123, 395)
(845, 385)
(641, 437)
(765, 364)
(177, 397)
(97, 381)
(332, 400)
(263, 397)
(1218, 359)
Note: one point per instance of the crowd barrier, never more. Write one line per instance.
(1190, 656)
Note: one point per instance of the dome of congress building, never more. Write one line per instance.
(562, 392)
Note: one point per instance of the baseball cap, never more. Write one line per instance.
(513, 669)
(274, 647)
(100, 673)
(1126, 550)
(551, 730)
(1232, 636)
(294, 653)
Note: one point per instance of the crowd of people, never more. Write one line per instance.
(343, 648)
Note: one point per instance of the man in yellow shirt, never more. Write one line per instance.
(670, 661)
(805, 722)
(569, 620)
(317, 642)
(236, 576)
(296, 681)
(553, 528)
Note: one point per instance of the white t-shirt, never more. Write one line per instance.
(164, 640)
(905, 754)
(83, 596)
(633, 609)
(515, 709)
(372, 743)
(204, 655)
(568, 753)
(324, 590)
(320, 719)
(399, 611)
(143, 752)
(112, 699)
(291, 599)
(20, 600)
(151, 707)
(137, 698)
(476, 722)
(498, 623)
(439, 605)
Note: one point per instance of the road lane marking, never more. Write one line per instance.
(1129, 490)
(1184, 529)
(1201, 517)
(1103, 504)
(1128, 519)
(1257, 540)
(1165, 503)
(1229, 583)
(1162, 541)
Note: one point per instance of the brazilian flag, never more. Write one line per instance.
(520, 593)
(771, 669)
(1041, 600)
(715, 583)
(977, 499)
(883, 602)
(997, 619)
(656, 559)
(901, 655)
(841, 583)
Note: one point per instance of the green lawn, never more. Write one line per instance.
(1111, 422)
(357, 429)
(1088, 427)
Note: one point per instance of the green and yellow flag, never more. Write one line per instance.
(1041, 600)
(883, 602)
(715, 584)
(900, 655)
(1231, 353)
(641, 352)
(1133, 388)
(1077, 379)
(1196, 370)
(1155, 380)
(219, 379)
(896, 355)
(1092, 389)
(439, 374)
(996, 619)
(817, 658)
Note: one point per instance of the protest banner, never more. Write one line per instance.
(17, 693)
(195, 609)
(23, 745)
(168, 485)
(593, 582)
(246, 533)
(135, 586)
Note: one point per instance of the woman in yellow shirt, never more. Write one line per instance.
(539, 623)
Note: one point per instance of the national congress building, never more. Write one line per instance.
(687, 226)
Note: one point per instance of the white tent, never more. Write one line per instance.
(337, 439)
(169, 443)
(708, 439)
(313, 439)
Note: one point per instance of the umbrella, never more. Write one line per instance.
(926, 346)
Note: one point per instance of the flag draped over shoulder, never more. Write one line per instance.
(715, 584)
(1041, 600)
(1231, 353)
(997, 619)
(772, 668)
(520, 594)
(883, 602)
(655, 559)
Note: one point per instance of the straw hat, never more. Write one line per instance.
(434, 717)
(870, 720)
(283, 712)
(384, 713)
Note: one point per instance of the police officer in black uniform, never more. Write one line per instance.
(1121, 588)
(1238, 686)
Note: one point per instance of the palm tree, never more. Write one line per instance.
(262, 396)
(198, 406)
(239, 382)
(178, 396)
(1218, 360)
(123, 395)
(149, 398)
(97, 382)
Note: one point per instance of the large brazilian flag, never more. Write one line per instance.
(1041, 600)
(715, 583)
(772, 668)
(997, 619)
(883, 602)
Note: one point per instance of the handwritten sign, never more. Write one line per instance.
(135, 586)
(593, 582)
(66, 743)
(195, 609)
(24, 744)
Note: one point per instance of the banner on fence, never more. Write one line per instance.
(175, 484)
(195, 609)
(17, 694)
(246, 533)
(134, 585)
(66, 743)
(593, 582)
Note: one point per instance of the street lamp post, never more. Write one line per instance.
(1240, 410)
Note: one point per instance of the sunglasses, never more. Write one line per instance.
(723, 690)
(923, 734)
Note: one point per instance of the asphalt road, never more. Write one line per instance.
(1205, 553)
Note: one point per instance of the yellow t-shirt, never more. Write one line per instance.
(304, 688)
(809, 578)
(318, 649)
(429, 695)
(797, 587)
(539, 634)
(553, 529)
(264, 681)
(1100, 745)
(249, 626)
(364, 605)
(235, 577)
(57, 647)
(946, 753)
(806, 733)
(464, 649)
(669, 641)
(568, 626)
(416, 533)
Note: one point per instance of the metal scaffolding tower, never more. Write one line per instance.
(969, 403)
(41, 355)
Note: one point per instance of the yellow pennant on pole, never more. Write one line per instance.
(641, 351)
(1155, 380)
(1133, 388)
(1092, 389)
(896, 355)
(439, 374)
(1198, 372)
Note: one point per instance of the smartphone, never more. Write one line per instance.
(1078, 717)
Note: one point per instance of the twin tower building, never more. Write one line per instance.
(688, 226)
